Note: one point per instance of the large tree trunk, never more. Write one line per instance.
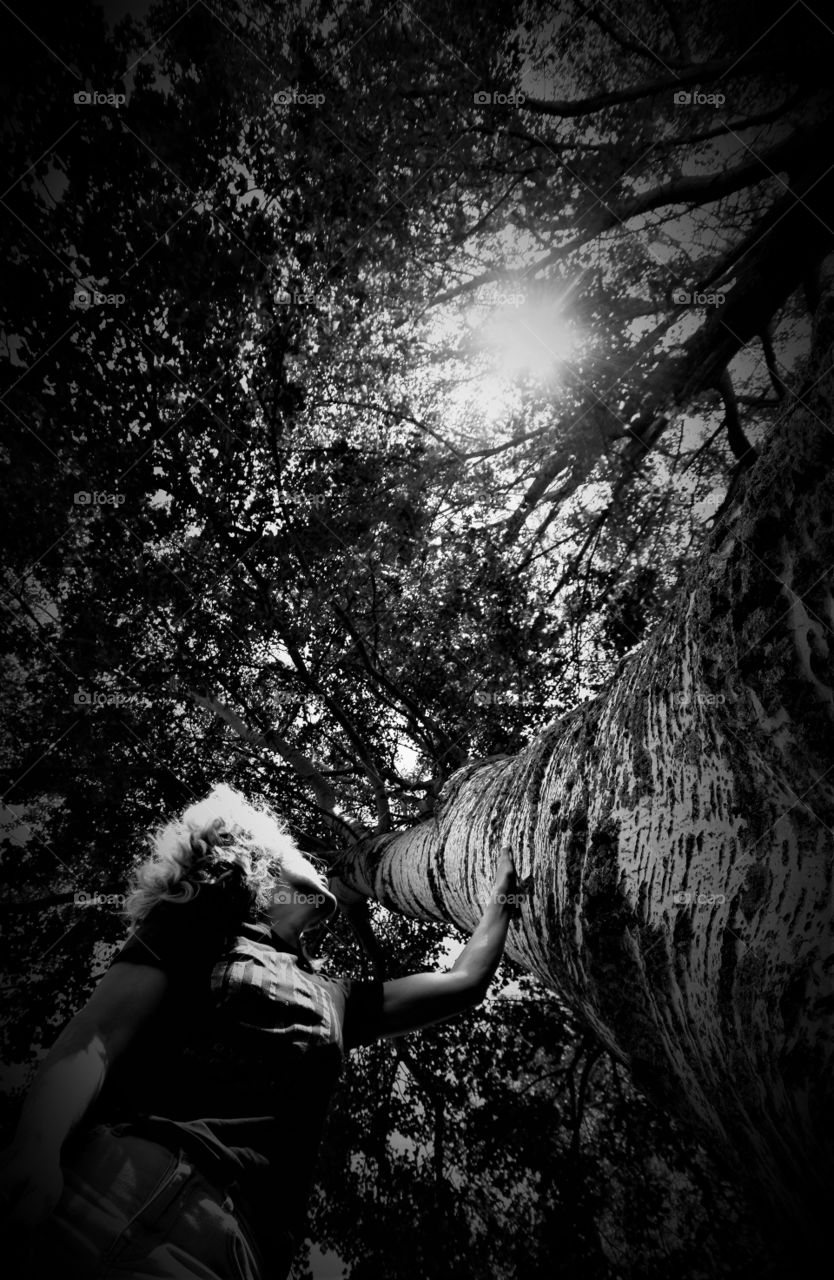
(678, 831)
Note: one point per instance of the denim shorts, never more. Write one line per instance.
(132, 1208)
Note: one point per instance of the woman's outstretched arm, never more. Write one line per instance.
(423, 998)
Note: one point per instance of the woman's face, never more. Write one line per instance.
(306, 885)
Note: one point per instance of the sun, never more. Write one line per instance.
(528, 340)
(509, 346)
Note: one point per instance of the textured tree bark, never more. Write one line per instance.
(678, 831)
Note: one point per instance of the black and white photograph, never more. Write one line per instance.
(417, 830)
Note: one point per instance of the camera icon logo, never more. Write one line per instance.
(681, 297)
(481, 99)
(82, 298)
(82, 698)
(82, 98)
(82, 498)
(682, 97)
(282, 897)
(282, 97)
(682, 899)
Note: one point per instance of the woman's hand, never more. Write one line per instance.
(31, 1184)
(507, 890)
(505, 873)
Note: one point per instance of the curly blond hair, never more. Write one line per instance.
(221, 836)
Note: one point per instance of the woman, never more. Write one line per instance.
(172, 1130)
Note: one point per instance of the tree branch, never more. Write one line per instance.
(697, 73)
(271, 740)
(742, 449)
